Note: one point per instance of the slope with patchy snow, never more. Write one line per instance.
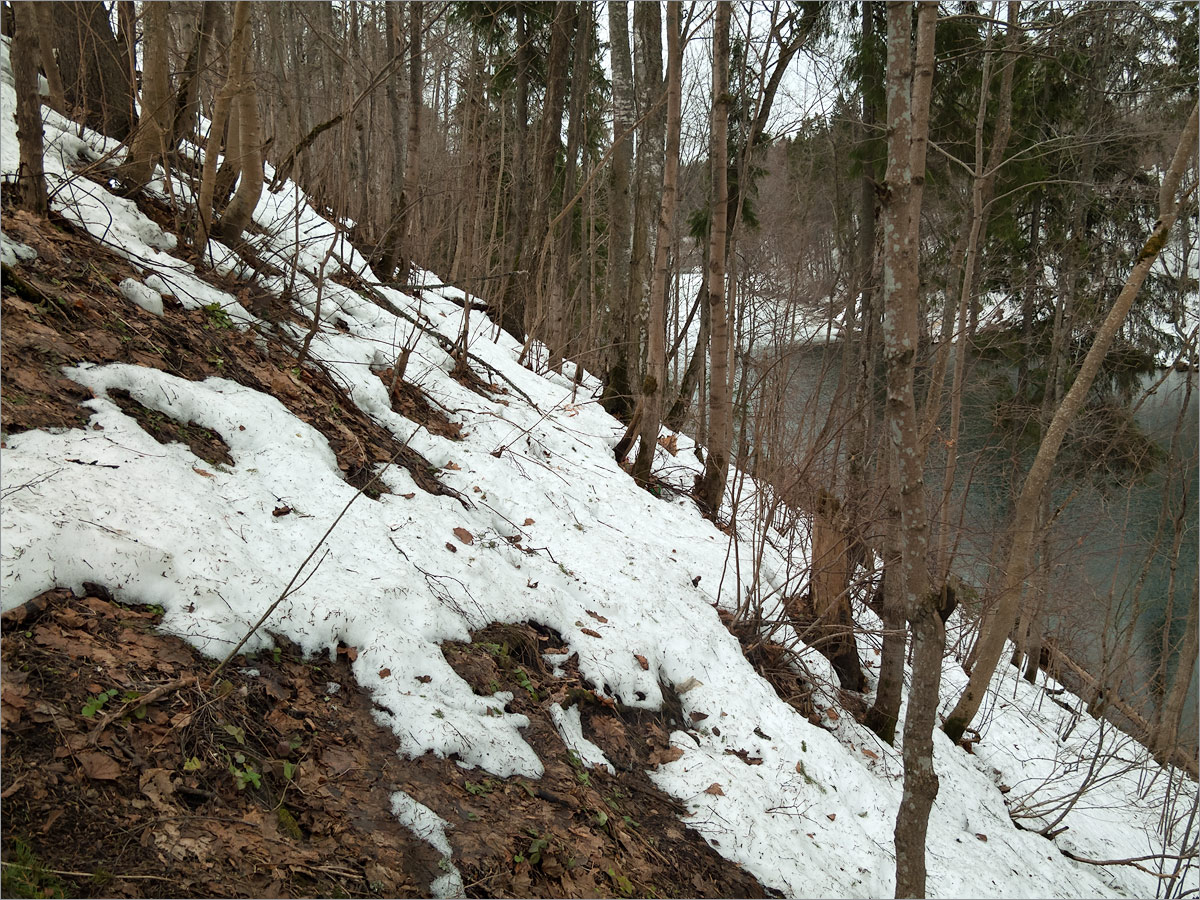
(536, 469)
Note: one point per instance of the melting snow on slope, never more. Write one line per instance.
(815, 818)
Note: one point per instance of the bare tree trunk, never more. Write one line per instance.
(95, 78)
(549, 141)
(648, 87)
(44, 20)
(618, 388)
(711, 488)
(803, 28)
(908, 92)
(212, 147)
(31, 179)
(656, 361)
(412, 162)
(514, 288)
(187, 97)
(560, 270)
(149, 141)
(392, 238)
(249, 152)
(996, 628)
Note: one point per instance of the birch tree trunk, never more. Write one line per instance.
(656, 362)
(711, 488)
(996, 628)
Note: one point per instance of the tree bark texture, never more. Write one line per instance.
(44, 22)
(212, 148)
(96, 78)
(187, 97)
(31, 179)
(908, 92)
(716, 464)
(248, 159)
(155, 124)
(656, 355)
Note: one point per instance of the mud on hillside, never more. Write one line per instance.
(129, 773)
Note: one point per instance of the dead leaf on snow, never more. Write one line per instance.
(833, 714)
(831, 816)
(596, 616)
(590, 633)
(99, 766)
(529, 521)
(670, 754)
(870, 754)
(465, 536)
(715, 790)
(642, 661)
(202, 472)
(453, 467)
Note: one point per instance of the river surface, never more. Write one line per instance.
(1110, 547)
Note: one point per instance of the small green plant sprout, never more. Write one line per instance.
(96, 702)
(129, 697)
(216, 317)
(624, 885)
(485, 787)
(244, 773)
(192, 765)
(235, 732)
(536, 846)
(522, 678)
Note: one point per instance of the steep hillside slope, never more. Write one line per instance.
(166, 446)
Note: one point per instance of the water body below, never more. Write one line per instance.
(1110, 548)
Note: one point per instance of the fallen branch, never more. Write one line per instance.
(1134, 861)
(85, 874)
(134, 705)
